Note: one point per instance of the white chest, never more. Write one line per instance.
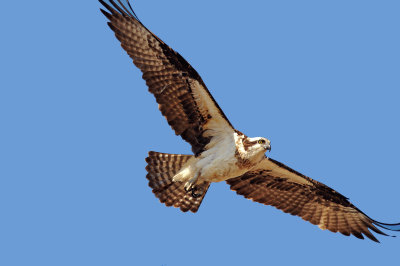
(220, 162)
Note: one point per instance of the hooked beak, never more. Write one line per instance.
(268, 147)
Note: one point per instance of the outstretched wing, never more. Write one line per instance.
(182, 96)
(273, 183)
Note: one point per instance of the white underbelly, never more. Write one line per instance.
(216, 164)
(216, 169)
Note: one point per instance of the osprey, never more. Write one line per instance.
(220, 152)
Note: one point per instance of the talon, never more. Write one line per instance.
(194, 194)
(189, 187)
(193, 190)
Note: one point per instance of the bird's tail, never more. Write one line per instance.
(161, 168)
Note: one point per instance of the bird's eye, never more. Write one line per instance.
(261, 141)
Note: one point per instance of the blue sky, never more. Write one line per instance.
(320, 79)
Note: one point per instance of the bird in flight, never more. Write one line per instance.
(220, 152)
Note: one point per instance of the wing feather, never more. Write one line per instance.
(273, 183)
(182, 96)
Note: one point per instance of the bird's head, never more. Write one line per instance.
(257, 145)
(263, 144)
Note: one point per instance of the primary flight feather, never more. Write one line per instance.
(221, 153)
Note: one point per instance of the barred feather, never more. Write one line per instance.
(161, 168)
(182, 96)
(273, 183)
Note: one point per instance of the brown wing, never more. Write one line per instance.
(182, 96)
(273, 183)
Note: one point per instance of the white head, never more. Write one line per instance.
(256, 146)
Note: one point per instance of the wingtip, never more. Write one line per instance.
(373, 238)
(376, 241)
(107, 6)
(106, 14)
(392, 227)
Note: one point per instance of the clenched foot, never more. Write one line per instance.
(197, 191)
(190, 184)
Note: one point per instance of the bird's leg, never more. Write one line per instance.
(198, 190)
(189, 186)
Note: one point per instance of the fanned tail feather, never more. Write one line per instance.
(161, 168)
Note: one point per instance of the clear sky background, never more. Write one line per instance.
(320, 79)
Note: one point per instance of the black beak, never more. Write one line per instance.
(268, 148)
